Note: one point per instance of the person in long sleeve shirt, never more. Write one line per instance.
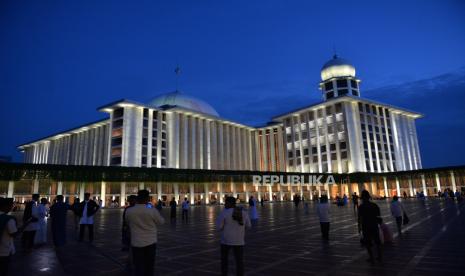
(397, 210)
(232, 222)
(322, 210)
(31, 216)
(143, 223)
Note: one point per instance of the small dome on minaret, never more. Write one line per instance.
(337, 67)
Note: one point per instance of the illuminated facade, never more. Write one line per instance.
(344, 133)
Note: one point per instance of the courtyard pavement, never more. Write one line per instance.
(285, 241)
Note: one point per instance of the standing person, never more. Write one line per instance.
(185, 208)
(125, 232)
(41, 234)
(173, 206)
(253, 208)
(159, 205)
(397, 211)
(368, 220)
(143, 223)
(355, 201)
(58, 213)
(232, 222)
(8, 229)
(31, 214)
(262, 202)
(75, 208)
(87, 210)
(322, 210)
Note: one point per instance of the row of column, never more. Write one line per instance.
(280, 193)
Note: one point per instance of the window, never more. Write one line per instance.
(290, 154)
(163, 162)
(146, 123)
(163, 117)
(163, 135)
(304, 135)
(314, 150)
(333, 156)
(343, 154)
(360, 107)
(116, 141)
(330, 95)
(154, 134)
(146, 112)
(116, 160)
(154, 161)
(144, 160)
(306, 160)
(338, 108)
(291, 162)
(163, 144)
(289, 138)
(117, 123)
(329, 85)
(341, 83)
(332, 147)
(154, 125)
(353, 84)
(315, 159)
(305, 151)
(118, 113)
(297, 153)
(355, 93)
(343, 145)
(154, 152)
(323, 148)
(342, 92)
(144, 141)
(163, 153)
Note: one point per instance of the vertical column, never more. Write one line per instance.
(82, 189)
(60, 188)
(438, 183)
(176, 192)
(398, 187)
(35, 188)
(233, 188)
(141, 185)
(410, 186)
(103, 192)
(423, 183)
(122, 197)
(191, 193)
(452, 180)
(207, 193)
(386, 192)
(270, 193)
(11, 187)
(246, 192)
(220, 184)
(159, 191)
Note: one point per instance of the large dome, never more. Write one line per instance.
(180, 99)
(337, 67)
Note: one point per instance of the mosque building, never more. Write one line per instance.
(344, 133)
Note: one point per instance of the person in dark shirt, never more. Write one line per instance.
(355, 201)
(368, 221)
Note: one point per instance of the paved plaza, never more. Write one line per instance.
(285, 241)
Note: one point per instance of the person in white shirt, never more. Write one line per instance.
(8, 230)
(87, 210)
(322, 210)
(41, 234)
(397, 210)
(31, 216)
(143, 223)
(185, 208)
(232, 222)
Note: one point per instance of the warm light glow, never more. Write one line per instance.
(343, 70)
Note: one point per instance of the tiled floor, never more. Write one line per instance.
(285, 241)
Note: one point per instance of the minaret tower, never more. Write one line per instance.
(338, 79)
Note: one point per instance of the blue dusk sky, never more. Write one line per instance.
(60, 60)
